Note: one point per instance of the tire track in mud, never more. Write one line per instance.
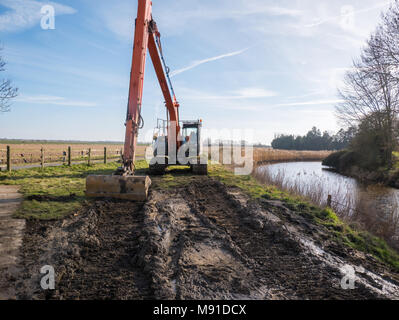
(91, 253)
(279, 261)
(207, 241)
(189, 257)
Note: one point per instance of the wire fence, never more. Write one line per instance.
(24, 156)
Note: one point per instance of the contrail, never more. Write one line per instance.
(197, 63)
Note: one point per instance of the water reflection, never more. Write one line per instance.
(375, 207)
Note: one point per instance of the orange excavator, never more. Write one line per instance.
(175, 142)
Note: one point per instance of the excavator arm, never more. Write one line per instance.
(147, 37)
(124, 184)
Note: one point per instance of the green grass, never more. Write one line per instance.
(60, 188)
(175, 176)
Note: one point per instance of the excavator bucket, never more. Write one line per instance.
(119, 187)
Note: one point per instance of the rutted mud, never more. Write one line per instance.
(11, 231)
(204, 241)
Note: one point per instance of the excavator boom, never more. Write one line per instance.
(124, 184)
(133, 117)
(147, 37)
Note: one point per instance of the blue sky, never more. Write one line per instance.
(269, 66)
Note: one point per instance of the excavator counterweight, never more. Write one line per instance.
(127, 188)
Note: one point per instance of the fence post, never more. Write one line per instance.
(69, 156)
(89, 158)
(8, 159)
(42, 158)
(329, 201)
(105, 154)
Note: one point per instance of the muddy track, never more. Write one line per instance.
(204, 241)
(11, 231)
(216, 243)
(91, 253)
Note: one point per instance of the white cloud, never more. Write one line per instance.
(54, 100)
(175, 16)
(255, 93)
(24, 14)
(252, 8)
(199, 62)
(246, 93)
(319, 21)
(118, 18)
(310, 103)
(246, 9)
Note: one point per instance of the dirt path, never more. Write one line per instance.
(10, 239)
(214, 243)
(205, 241)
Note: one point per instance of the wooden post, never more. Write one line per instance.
(105, 154)
(42, 158)
(89, 158)
(329, 201)
(69, 156)
(8, 159)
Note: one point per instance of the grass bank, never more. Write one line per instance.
(53, 193)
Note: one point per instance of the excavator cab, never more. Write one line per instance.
(188, 153)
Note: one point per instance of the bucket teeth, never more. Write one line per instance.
(119, 187)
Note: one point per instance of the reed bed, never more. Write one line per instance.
(226, 155)
(263, 155)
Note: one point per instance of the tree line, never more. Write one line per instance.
(315, 140)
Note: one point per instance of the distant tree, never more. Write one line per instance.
(314, 140)
(7, 91)
(343, 138)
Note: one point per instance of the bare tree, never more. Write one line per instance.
(387, 42)
(370, 93)
(7, 91)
